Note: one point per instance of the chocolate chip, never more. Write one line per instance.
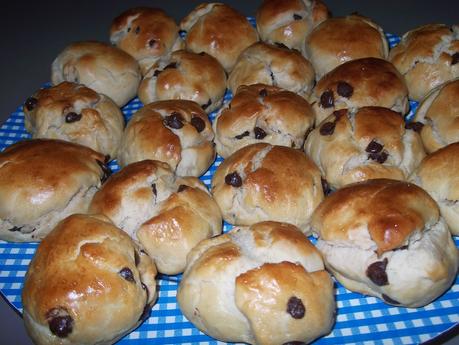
(389, 300)
(15, 228)
(152, 43)
(295, 307)
(171, 65)
(294, 343)
(242, 135)
(379, 157)
(106, 172)
(297, 16)
(401, 248)
(205, 106)
(455, 58)
(127, 274)
(181, 188)
(259, 133)
(136, 258)
(377, 272)
(325, 186)
(327, 99)
(153, 188)
(182, 32)
(72, 117)
(327, 128)
(128, 29)
(374, 147)
(174, 120)
(60, 322)
(31, 103)
(157, 72)
(280, 45)
(263, 93)
(198, 123)
(137, 30)
(344, 89)
(415, 126)
(202, 53)
(233, 179)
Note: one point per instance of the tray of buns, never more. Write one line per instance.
(358, 318)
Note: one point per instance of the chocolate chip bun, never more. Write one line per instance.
(427, 56)
(341, 39)
(262, 113)
(177, 132)
(43, 181)
(437, 174)
(289, 21)
(218, 30)
(75, 113)
(168, 215)
(147, 34)
(186, 75)
(386, 239)
(437, 117)
(265, 284)
(264, 182)
(359, 83)
(99, 66)
(272, 65)
(88, 283)
(356, 145)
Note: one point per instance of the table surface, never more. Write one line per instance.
(35, 32)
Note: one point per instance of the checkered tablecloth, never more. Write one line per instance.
(362, 320)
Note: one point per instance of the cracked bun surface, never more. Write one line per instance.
(289, 21)
(99, 66)
(263, 284)
(359, 83)
(427, 56)
(177, 132)
(147, 34)
(372, 142)
(43, 181)
(385, 238)
(437, 174)
(437, 117)
(166, 214)
(185, 75)
(262, 113)
(341, 39)
(272, 65)
(218, 30)
(88, 283)
(75, 113)
(264, 182)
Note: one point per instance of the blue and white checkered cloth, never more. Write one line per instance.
(360, 320)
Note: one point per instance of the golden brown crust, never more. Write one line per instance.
(392, 211)
(289, 21)
(186, 75)
(147, 34)
(218, 30)
(425, 57)
(370, 82)
(341, 39)
(271, 65)
(77, 269)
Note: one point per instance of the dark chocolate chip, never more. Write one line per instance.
(327, 100)
(327, 128)
(415, 126)
(174, 120)
(152, 43)
(31, 103)
(379, 157)
(205, 106)
(198, 123)
(171, 65)
(374, 147)
(106, 172)
(344, 89)
(259, 133)
(181, 188)
(389, 300)
(157, 72)
(280, 45)
(295, 307)
(72, 117)
(15, 228)
(153, 188)
(263, 93)
(137, 29)
(127, 274)
(182, 32)
(233, 179)
(297, 16)
(377, 272)
(136, 258)
(325, 186)
(294, 343)
(242, 135)
(60, 322)
(455, 58)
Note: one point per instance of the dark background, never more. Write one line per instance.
(33, 34)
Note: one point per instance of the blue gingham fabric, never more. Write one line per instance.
(360, 319)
